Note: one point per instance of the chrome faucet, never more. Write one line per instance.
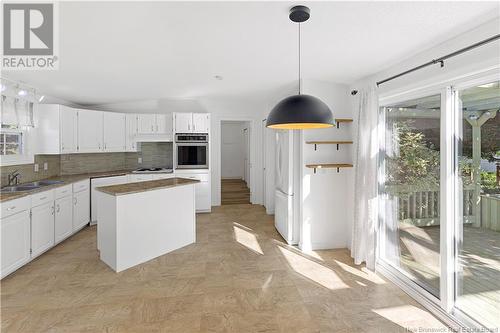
(13, 177)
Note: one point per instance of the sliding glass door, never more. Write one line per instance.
(439, 195)
(478, 204)
(410, 189)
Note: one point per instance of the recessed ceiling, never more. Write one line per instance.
(123, 51)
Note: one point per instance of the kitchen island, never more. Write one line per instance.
(143, 220)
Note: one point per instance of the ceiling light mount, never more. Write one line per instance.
(299, 14)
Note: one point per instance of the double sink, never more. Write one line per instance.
(30, 186)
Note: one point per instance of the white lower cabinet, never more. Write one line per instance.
(15, 246)
(81, 211)
(63, 222)
(202, 190)
(42, 228)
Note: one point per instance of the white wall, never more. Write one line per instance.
(477, 60)
(327, 202)
(232, 150)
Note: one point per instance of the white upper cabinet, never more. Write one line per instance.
(146, 123)
(182, 122)
(164, 124)
(201, 123)
(130, 132)
(191, 122)
(69, 129)
(154, 124)
(90, 131)
(114, 131)
(56, 128)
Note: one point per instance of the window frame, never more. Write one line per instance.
(445, 307)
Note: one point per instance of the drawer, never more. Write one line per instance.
(81, 186)
(63, 191)
(15, 206)
(41, 198)
(202, 177)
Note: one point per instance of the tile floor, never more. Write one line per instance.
(238, 277)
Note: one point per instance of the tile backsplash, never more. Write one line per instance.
(27, 171)
(153, 154)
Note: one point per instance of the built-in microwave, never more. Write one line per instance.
(191, 151)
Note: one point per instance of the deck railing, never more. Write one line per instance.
(421, 207)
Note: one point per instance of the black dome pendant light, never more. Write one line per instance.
(300, 111)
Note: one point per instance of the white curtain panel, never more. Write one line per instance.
(365, 179)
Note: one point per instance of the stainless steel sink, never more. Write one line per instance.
(19, 188)
(45, 183)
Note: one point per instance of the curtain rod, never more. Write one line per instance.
(441, 59)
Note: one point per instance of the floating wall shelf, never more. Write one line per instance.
(329, 166)
(316, 143)
(342, 120)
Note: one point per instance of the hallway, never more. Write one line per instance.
(234, 191)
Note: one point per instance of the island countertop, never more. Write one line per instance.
(130, 188)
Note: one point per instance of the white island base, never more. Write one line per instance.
(136, 227)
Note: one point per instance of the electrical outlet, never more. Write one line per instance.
(36, 167)
(139, 160)
(45, 166)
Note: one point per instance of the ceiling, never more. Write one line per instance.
(124, 51)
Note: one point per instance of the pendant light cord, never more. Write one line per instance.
(300, 83)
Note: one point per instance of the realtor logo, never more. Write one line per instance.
(29, 32)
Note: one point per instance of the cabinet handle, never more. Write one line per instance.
(53, 209)
(11, 208)
(157, 127)
(58, 208)
(152, 128)
(74, 201)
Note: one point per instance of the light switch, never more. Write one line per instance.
(139, 160)
(36, 167)
(45, 166)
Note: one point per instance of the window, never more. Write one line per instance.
(478, 218)
(439, 196)
(411, 189)
(11, 143)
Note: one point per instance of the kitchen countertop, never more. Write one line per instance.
(67, 179)
(150, 185)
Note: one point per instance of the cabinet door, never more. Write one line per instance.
(90, 131)
(114, 131)
(182, 122)
(42, 228)
(68, 129)
(63, 223)
(15, 231)
(200, 123)
(164, 124)
(131, 132)
(146, 123)
(81, 209)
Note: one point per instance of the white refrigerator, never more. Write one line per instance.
(285, 210)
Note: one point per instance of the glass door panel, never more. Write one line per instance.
(478, 225)
(410, 189)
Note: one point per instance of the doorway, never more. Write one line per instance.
(235, 162)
